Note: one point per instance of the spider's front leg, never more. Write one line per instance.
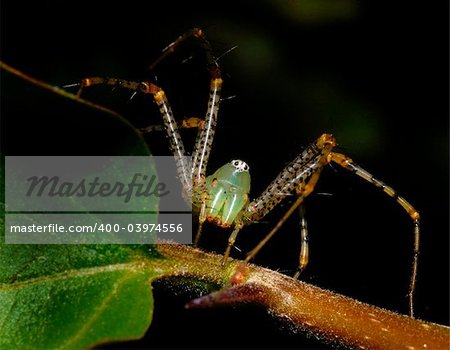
(301, 176)
(202, 150)
(347, 163)
(205, 136)
(170, 124)
(303, 190)
(191, 174)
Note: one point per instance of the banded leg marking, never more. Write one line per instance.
(205, 136)
(231, 241)
(304, 248)
(313, 158)
(176, 143)
(348, 164)
(199, 35)
(303, 191)
(187, 123)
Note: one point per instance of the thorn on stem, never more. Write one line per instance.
(240, 294)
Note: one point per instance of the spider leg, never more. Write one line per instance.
(192, 175)
(170, 124)
(304, 248)
(303, 190)
(203, 143)
(206, 129)
(348, 164)
(202, 149)
(231, 241)
(187, 123)
(293, 177)
(199, 232)
(205, 136)
(194, 33)
(201, 218)
(307, 163)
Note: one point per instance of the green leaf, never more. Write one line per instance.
(76, 308)
(70, 296)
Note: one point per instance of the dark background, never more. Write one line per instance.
(375, 74)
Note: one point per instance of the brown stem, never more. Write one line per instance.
(312, 309)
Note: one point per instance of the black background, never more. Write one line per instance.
(375, 74)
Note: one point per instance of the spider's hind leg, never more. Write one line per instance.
(348, 164)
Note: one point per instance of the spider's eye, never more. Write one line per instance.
(239, 165)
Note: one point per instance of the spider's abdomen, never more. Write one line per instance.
(228, 190)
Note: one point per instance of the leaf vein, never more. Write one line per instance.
(73, 273)
(95, 315)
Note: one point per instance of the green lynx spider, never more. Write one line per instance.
(223, 197)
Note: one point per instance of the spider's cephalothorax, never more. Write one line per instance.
(227, 191)
(222, 198)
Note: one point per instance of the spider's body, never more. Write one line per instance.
(227, 193)
(223, 197)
